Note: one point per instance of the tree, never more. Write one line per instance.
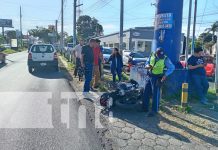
(213, 29)
(2, 39)
(10, 34)
(207, 37)
(42, 33)
(69, 39)
(88, 27)
(207, 40)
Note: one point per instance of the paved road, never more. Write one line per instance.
(32, 116)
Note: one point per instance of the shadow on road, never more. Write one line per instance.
(48, 74)
(2, 65)
(167, 124)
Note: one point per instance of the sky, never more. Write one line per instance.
(137, 13)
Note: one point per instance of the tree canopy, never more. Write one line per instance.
(88, 27)
(42, 33)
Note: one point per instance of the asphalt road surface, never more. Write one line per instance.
(32, 114)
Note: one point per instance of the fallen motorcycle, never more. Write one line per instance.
(125, 95)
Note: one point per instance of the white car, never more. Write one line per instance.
(126, 57)
(68, 52)
(107, 51)
(42, 55)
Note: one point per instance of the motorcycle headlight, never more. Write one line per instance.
(122, 92)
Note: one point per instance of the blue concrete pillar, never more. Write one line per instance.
(168, 28)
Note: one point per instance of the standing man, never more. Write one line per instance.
(77, 54)
(87, 59)
(158, 62)
(97, 59)
(197, 74)
(101, 70)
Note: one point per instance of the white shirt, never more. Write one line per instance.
(78, 50)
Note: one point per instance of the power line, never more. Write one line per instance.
(136, 5)
(203, 15)
(92, 5)
(60, 10)
(99, 6)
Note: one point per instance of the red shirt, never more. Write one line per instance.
(96, 52)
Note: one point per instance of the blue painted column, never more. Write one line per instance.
(168, 27)
(168, 31)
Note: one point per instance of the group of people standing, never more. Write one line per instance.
(159, 67)
(90, 58)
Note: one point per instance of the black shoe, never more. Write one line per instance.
(95, 87)
(152, 114)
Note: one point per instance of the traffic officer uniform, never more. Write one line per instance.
(158, 63)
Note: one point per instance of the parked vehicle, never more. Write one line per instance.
(210, 67)
(106, 55)
(126, 57)
(42, 55)
(134, 59)
(182, 60)
(57, 47)
(68, 52)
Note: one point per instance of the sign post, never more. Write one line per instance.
(5, 23)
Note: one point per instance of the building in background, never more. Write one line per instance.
(135, 39)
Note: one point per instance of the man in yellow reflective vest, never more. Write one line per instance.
(159, 67)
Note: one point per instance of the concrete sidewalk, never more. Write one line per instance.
(170, 130)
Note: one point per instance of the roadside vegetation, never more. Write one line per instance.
(11, 51)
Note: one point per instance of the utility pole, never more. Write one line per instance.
(216, 76)
(62, 25)
(74, 20)
(56, 26)
(21, 32)
(121, 25)
(79, 11)
(56, 31)
(3, 31)
(74, 23)
(194, 26)
(188, 31)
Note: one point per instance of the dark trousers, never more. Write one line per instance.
(100, 69)
(152, 89)
(88, 76)
(78, 64)
(118, 73)
(201, 86)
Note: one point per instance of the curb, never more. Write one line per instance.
(104, 134)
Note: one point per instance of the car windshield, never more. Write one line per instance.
(137, 55)
(107, 51)
(42, 49)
